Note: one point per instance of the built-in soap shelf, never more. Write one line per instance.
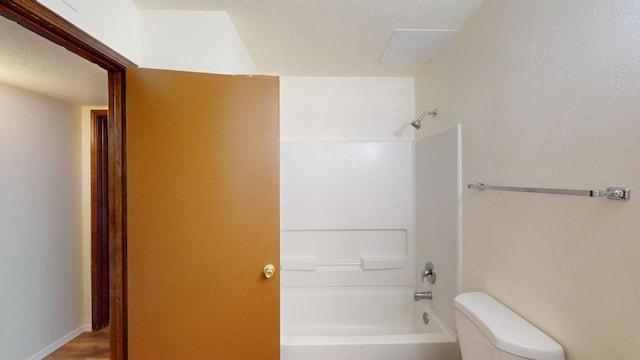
(374, 262)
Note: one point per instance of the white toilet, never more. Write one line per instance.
(488, 330)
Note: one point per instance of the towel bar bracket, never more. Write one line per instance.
(617, 193)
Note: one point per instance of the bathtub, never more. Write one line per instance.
(368, 323)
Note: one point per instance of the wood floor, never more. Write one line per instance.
(88, 346)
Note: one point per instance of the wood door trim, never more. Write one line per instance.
(48, 24)
(117, 216)
(99, 220)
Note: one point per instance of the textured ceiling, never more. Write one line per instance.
(327, 37)
(36, 64)
(284, 37)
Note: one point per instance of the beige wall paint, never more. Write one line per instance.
(548, 95)
(96, 18)
(346, 108)
(206, 41)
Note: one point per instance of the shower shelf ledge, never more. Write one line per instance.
(368, 262)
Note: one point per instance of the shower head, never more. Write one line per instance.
(417, 124)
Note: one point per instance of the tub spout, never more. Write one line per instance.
(422, 295)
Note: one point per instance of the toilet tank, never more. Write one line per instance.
(488, 330)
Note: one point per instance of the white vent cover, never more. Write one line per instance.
(415, 45)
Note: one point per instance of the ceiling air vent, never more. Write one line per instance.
(415, 45)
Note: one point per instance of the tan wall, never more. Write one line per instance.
(548, 95)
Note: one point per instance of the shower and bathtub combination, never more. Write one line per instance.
(362, 323)
(359, 222)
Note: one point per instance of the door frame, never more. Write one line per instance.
(99, 220)
(39, 19)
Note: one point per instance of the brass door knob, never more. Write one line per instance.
(269, 270)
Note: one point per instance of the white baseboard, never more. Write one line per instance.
(60, 342)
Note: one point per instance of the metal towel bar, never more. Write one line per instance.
(615, 193)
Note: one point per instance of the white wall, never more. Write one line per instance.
(40, 222)
(201, 41)
(116, 23)
(346, 108)
(547, 93)
(438, 217)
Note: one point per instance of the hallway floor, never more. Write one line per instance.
(88, 346)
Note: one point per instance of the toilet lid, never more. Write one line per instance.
(507, 330)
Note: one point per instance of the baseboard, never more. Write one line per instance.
(60, 342)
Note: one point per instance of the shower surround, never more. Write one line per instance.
(349, 255)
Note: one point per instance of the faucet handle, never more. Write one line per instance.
(429, 272)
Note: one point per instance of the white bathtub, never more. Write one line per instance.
(361, 323)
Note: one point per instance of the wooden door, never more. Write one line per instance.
(203, 215)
